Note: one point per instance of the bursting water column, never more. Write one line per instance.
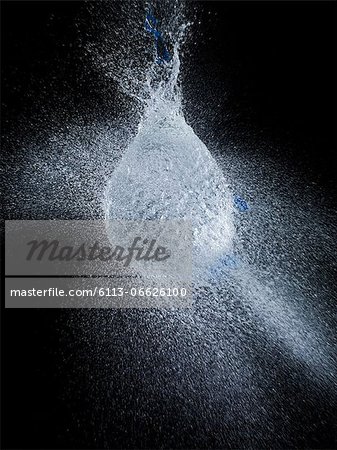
(167, 172)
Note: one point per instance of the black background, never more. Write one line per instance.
(277, 57)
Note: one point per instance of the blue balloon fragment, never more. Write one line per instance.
(223, 264)
(240, 203)
(150, 25)
(229, 261)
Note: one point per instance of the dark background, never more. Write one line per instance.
(277, 59)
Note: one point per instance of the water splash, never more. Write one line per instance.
(264, 313)
(167, 172)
